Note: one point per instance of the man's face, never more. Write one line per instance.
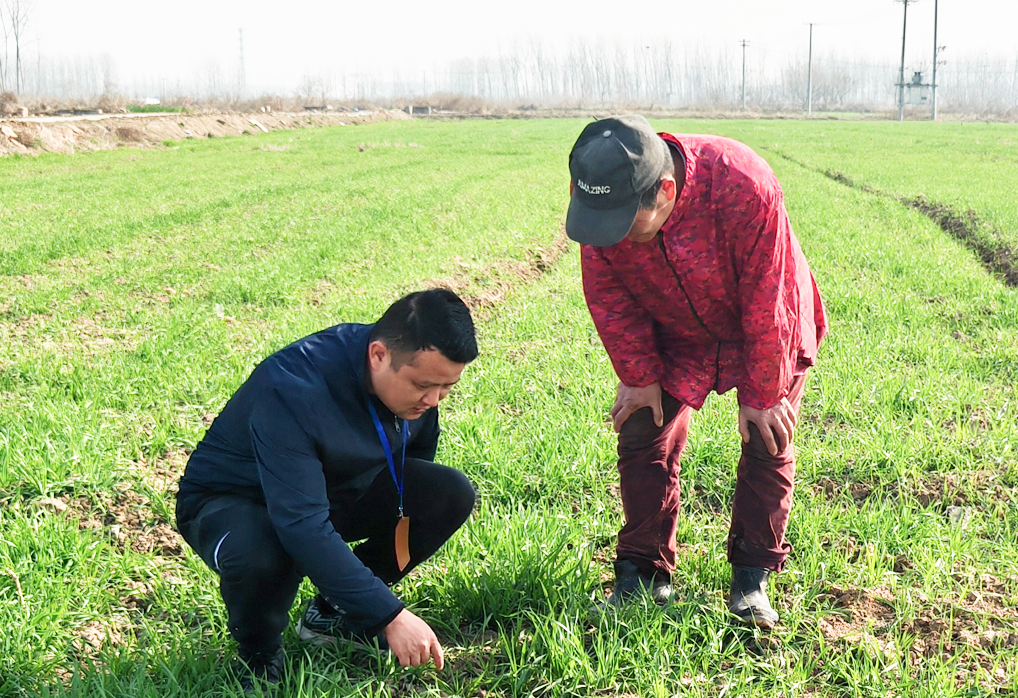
(422, 380)
(645, 225)
(648, 221)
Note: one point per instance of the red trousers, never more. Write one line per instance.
(649, 463)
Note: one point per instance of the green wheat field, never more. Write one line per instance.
(139, 288)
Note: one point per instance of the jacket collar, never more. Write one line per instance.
(684, 202)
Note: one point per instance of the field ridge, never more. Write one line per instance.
(35, 135)
(486, 288)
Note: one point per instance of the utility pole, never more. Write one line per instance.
(936, 50)
(241, 76)
(901, 73)
(809, 75)
(744, 44)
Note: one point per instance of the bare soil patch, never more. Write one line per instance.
(90, 639)
(854, 612)
(972, 489)
(982, 620)
(37, 135)
(125, 516)
(162, 474)
(90, 335)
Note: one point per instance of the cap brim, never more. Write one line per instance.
(598, 228)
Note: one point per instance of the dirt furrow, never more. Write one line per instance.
(995, 254)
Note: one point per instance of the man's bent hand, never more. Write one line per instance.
(629, 399)
(776, 425)
(413, 641)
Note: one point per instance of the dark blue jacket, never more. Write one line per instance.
(297, 430)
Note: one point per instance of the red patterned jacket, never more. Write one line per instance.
(722, 298)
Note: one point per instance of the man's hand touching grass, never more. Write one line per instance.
(413, 641)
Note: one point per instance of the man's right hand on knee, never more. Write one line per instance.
(629, 399)
(413, 641)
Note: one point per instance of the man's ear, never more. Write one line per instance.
(669, 188)
(378, 355)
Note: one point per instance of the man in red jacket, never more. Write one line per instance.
(696, 283)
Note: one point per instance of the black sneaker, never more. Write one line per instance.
(630, 582)
(323, 628)
(265, 668)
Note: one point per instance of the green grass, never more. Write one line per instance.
(965, 170)
(138, 289)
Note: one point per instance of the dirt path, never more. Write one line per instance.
(32, 135)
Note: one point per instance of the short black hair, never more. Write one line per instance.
(649, 197)
(432, 319)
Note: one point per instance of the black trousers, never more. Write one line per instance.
(258, 580)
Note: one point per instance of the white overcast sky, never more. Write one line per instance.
(285, 40)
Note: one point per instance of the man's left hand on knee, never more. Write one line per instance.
(776, 425)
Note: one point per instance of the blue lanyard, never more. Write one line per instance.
(401, 480)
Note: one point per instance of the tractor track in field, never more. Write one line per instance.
(997, 255)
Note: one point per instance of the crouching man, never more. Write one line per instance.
(332, 440)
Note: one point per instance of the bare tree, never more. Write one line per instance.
(109, 75)
(510, 63)
(18, 14)
(601, 63)
(3, 61)
(544, 66)
(310, 86)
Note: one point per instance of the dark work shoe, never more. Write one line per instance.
(321, 626)
(264, 668)
(747, 598)
(631, 582)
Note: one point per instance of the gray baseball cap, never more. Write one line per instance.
(611, 165)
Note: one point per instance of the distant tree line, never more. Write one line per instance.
(585, 72)
(589, 73)
(665, 73)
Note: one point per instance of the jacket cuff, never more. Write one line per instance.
(368, 619)
(640, 379)
(751, 398)
(378, 627)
